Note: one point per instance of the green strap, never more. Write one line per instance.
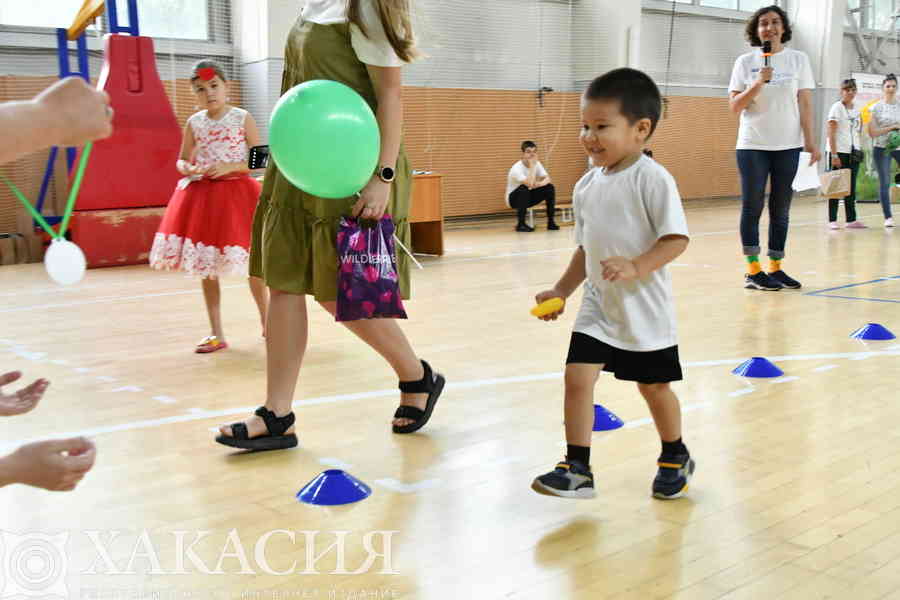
(70, 204)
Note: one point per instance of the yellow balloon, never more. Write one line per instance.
(866, 111)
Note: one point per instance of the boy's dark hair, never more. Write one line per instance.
(202, 68)
(528, 144)
(753, 25)
(889, 77)
(648, 152)
(638, 96)
(849, 84)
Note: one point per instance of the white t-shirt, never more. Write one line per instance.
(518, 173)
(885, 115)
(848, 123)
(772, 121)
(624, 214)
(374, 49)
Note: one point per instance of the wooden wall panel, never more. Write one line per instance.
(27, 172)
(472, 137)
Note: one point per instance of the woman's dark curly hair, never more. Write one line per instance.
(753, 25)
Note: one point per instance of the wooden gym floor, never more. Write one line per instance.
(796, 495)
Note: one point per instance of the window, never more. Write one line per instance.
(179, 19)
(39, 13)
(875, 14)
(182, 19)
(744, 5)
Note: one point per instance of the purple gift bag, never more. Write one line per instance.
(367, 276)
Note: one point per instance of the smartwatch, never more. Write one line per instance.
(386, 174)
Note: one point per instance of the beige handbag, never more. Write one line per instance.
(835, 184)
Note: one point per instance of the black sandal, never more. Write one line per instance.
(431, 384)
(276, 440)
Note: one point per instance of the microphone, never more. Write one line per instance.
(766, 52)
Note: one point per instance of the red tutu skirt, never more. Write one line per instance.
(206, 228)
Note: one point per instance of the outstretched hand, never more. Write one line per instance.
(22, 401)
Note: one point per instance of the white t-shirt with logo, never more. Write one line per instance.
(624, 214)
(848, 126)
(518, 173)
(772, 120)
(372, 49)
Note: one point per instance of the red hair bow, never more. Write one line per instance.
(206, 73)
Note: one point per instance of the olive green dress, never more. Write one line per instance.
(294, 246)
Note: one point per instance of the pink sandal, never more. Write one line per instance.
(210, 344)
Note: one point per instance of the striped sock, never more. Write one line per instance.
(774, 264)
(753, 262)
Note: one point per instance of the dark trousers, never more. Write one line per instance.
(522, 199)
(850, 200)
(756, 166)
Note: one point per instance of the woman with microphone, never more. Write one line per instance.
(772, 91)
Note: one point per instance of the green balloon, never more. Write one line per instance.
(324, 139)
(893, 141)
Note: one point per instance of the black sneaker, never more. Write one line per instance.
(782, 278)
(673, 476)
(551, 226)
(570, 479)
(524, 227)
(761, 281)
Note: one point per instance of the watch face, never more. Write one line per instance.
(387, 173)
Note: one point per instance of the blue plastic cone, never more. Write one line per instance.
(333, 487)
(873, 331)
(758, 367)
(605, 420)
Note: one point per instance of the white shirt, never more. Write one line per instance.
(848, 123)
(374, 49)
(884, 115)
(518, 173)
(772, 120)
(624, 214)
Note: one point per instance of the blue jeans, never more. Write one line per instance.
(756, 166)
(883, 166)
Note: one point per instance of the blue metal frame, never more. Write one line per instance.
(113, 13)
(65, 70)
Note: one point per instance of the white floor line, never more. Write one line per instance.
(106, 299)
(478, 383)
(742, 392)
(784, 379)
(825, 368)
(407, 488)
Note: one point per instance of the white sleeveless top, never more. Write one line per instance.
(222, 140)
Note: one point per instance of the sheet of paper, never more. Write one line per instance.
(807, 177)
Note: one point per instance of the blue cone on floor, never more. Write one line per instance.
(605, 420)
(333, 487)
(873, 331)
(758, 367)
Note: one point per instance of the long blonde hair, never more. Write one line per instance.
(395, 19)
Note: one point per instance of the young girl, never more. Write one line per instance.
(207, 225)
(362, 44)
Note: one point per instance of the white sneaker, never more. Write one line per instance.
(833, 225)
(889, 222)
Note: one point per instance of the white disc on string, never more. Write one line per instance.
(65, 262)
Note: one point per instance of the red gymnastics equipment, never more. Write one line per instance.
(131, 175)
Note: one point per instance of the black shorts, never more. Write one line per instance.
(656, 366)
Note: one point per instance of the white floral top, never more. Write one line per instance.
(222, 140)
(885, 115)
